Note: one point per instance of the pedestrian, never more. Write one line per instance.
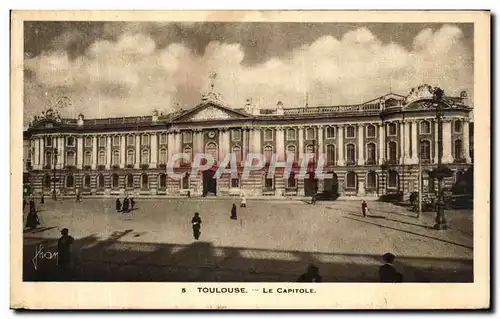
(196, 222)
(32, 221)
(42, 199)
(64, 245)
(32, 205)
(125, 209)
(132, 202)
(364, 208)
(387, 272)
(118, 205)
(312, 275)
(78, 199)
(233, 212)
(243, 201)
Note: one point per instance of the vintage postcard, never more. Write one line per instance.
(250, 160)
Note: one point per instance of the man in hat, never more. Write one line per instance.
(64, 250)
(387, 272)
(196, 222)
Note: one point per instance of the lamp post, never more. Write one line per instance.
(54, 179)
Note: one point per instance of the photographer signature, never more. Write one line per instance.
(40, 254)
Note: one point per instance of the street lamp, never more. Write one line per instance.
(54, 179)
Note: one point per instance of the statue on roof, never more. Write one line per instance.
(212, 96)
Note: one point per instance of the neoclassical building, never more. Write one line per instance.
(370, 149)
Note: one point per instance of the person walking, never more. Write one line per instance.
(233, 212)
(196, 223)
(125, 209)
(64, 245)
(118, 205)
(364, 208)
(387, 272)
(243, 201)
(132, 202)
(78, 196)
(42, 199)
(32, 221)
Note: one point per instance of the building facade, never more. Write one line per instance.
(370, 149)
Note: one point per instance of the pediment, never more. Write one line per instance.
(45, 123)
(210, 112)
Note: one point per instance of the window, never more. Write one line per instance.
(70, 141)
(350, 132)
(88, 141)
(290, 134)
(86, 181)
(187, 137)
(237, 153)
(145, 139)
(330, 132)
(392, 151)
(457, 126)
(163, 156)
(268, 183)
(291, 182)
(101, 158)
(130, 140)
(145, 157)
(46, 181)
(310, 133)
(351, 152)
(457, 148)
(70, 181)
(371, 180)
(185, 182)
(211, 149)
(130, 157)
(163, 181)
(70, 158)
(130, 181)
(371, 131)
(144, 181)
(48, 159)
(48, 141)
(115, 181)
(425, 127)
(427, 183)
(102, 141)
(291, 151)
(371, 153)
(100, 181)
(87, 159)
(392, 179)
(116, 157)
(425, 150)
(268, 153)
(163, 138)
(392, 129)
(116, 140)
(235, 182)
(351, 180)
(330, 154)
(268, 135)
(236, 135)
(189, 152)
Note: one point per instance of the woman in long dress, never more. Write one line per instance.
(233, 212)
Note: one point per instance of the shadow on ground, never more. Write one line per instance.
(116, 260)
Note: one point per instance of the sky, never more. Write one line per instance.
(108, 69)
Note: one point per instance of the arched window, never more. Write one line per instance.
(87, 159)
(458, 126)
(70, 181)
(115, 181)
(116, 140)
(236, 135)
(237, 153)
(268, 153)
(144, 181)
(330, 132)
(88, 141)
(268, 183)
(371, 180)
(330, 154)
(291, 150)
(371, 153)
(268, 135)
(130, 157)
(116, 158)
(70, 158)
(351, 153)
(185, 181)
(350, 132)
(145, 139)
(290, 134)
(100, 181)
(162, 181)
(392, 179)
(101, 158)
(457, 148)
(371, 131)
(130, 181)
(310, 133)
(392, 129)
(70, 141)
(102, 141)
(309, 149)
(351, 180)
(47, 181)
(163, 138)
(292, 182)
(211, 149)
(425, 150)
(425, 127)
(163, 156)
(189, 151)
(145, 157)
(130, 140)
(392, 151)
(86, 181)
(48, 159)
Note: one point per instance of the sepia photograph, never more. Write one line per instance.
(250, 148)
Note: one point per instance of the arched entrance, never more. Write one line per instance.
(209, 182)
(310, 185)
(331, 186)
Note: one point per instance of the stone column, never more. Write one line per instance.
(221, 145)
(79, 153)
(401, 143)
(257, 147)
(466, 142)
(60, 151)
(435, 142)
(321, 150)
(447, 141)
(108, 152)
(177, 146)
(154, 150)
(36, 159)
(170, 145)
(123, 153)
(301, 144)
(381, 144)
(137, 151)
(340, 146)
(406, 144)
(414, 143)
(42, 152)
(361, 145)
(280, 144)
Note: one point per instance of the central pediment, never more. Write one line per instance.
(210, 112)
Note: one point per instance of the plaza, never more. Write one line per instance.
(272, 240)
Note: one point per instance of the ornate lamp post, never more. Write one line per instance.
(54, 179)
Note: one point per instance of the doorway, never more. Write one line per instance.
(331, 186)
(209, 183)
(310, 186)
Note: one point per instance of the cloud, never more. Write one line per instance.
(132, 75)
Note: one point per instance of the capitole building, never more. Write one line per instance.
(370, 149)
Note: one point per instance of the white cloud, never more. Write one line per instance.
(132, 76)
